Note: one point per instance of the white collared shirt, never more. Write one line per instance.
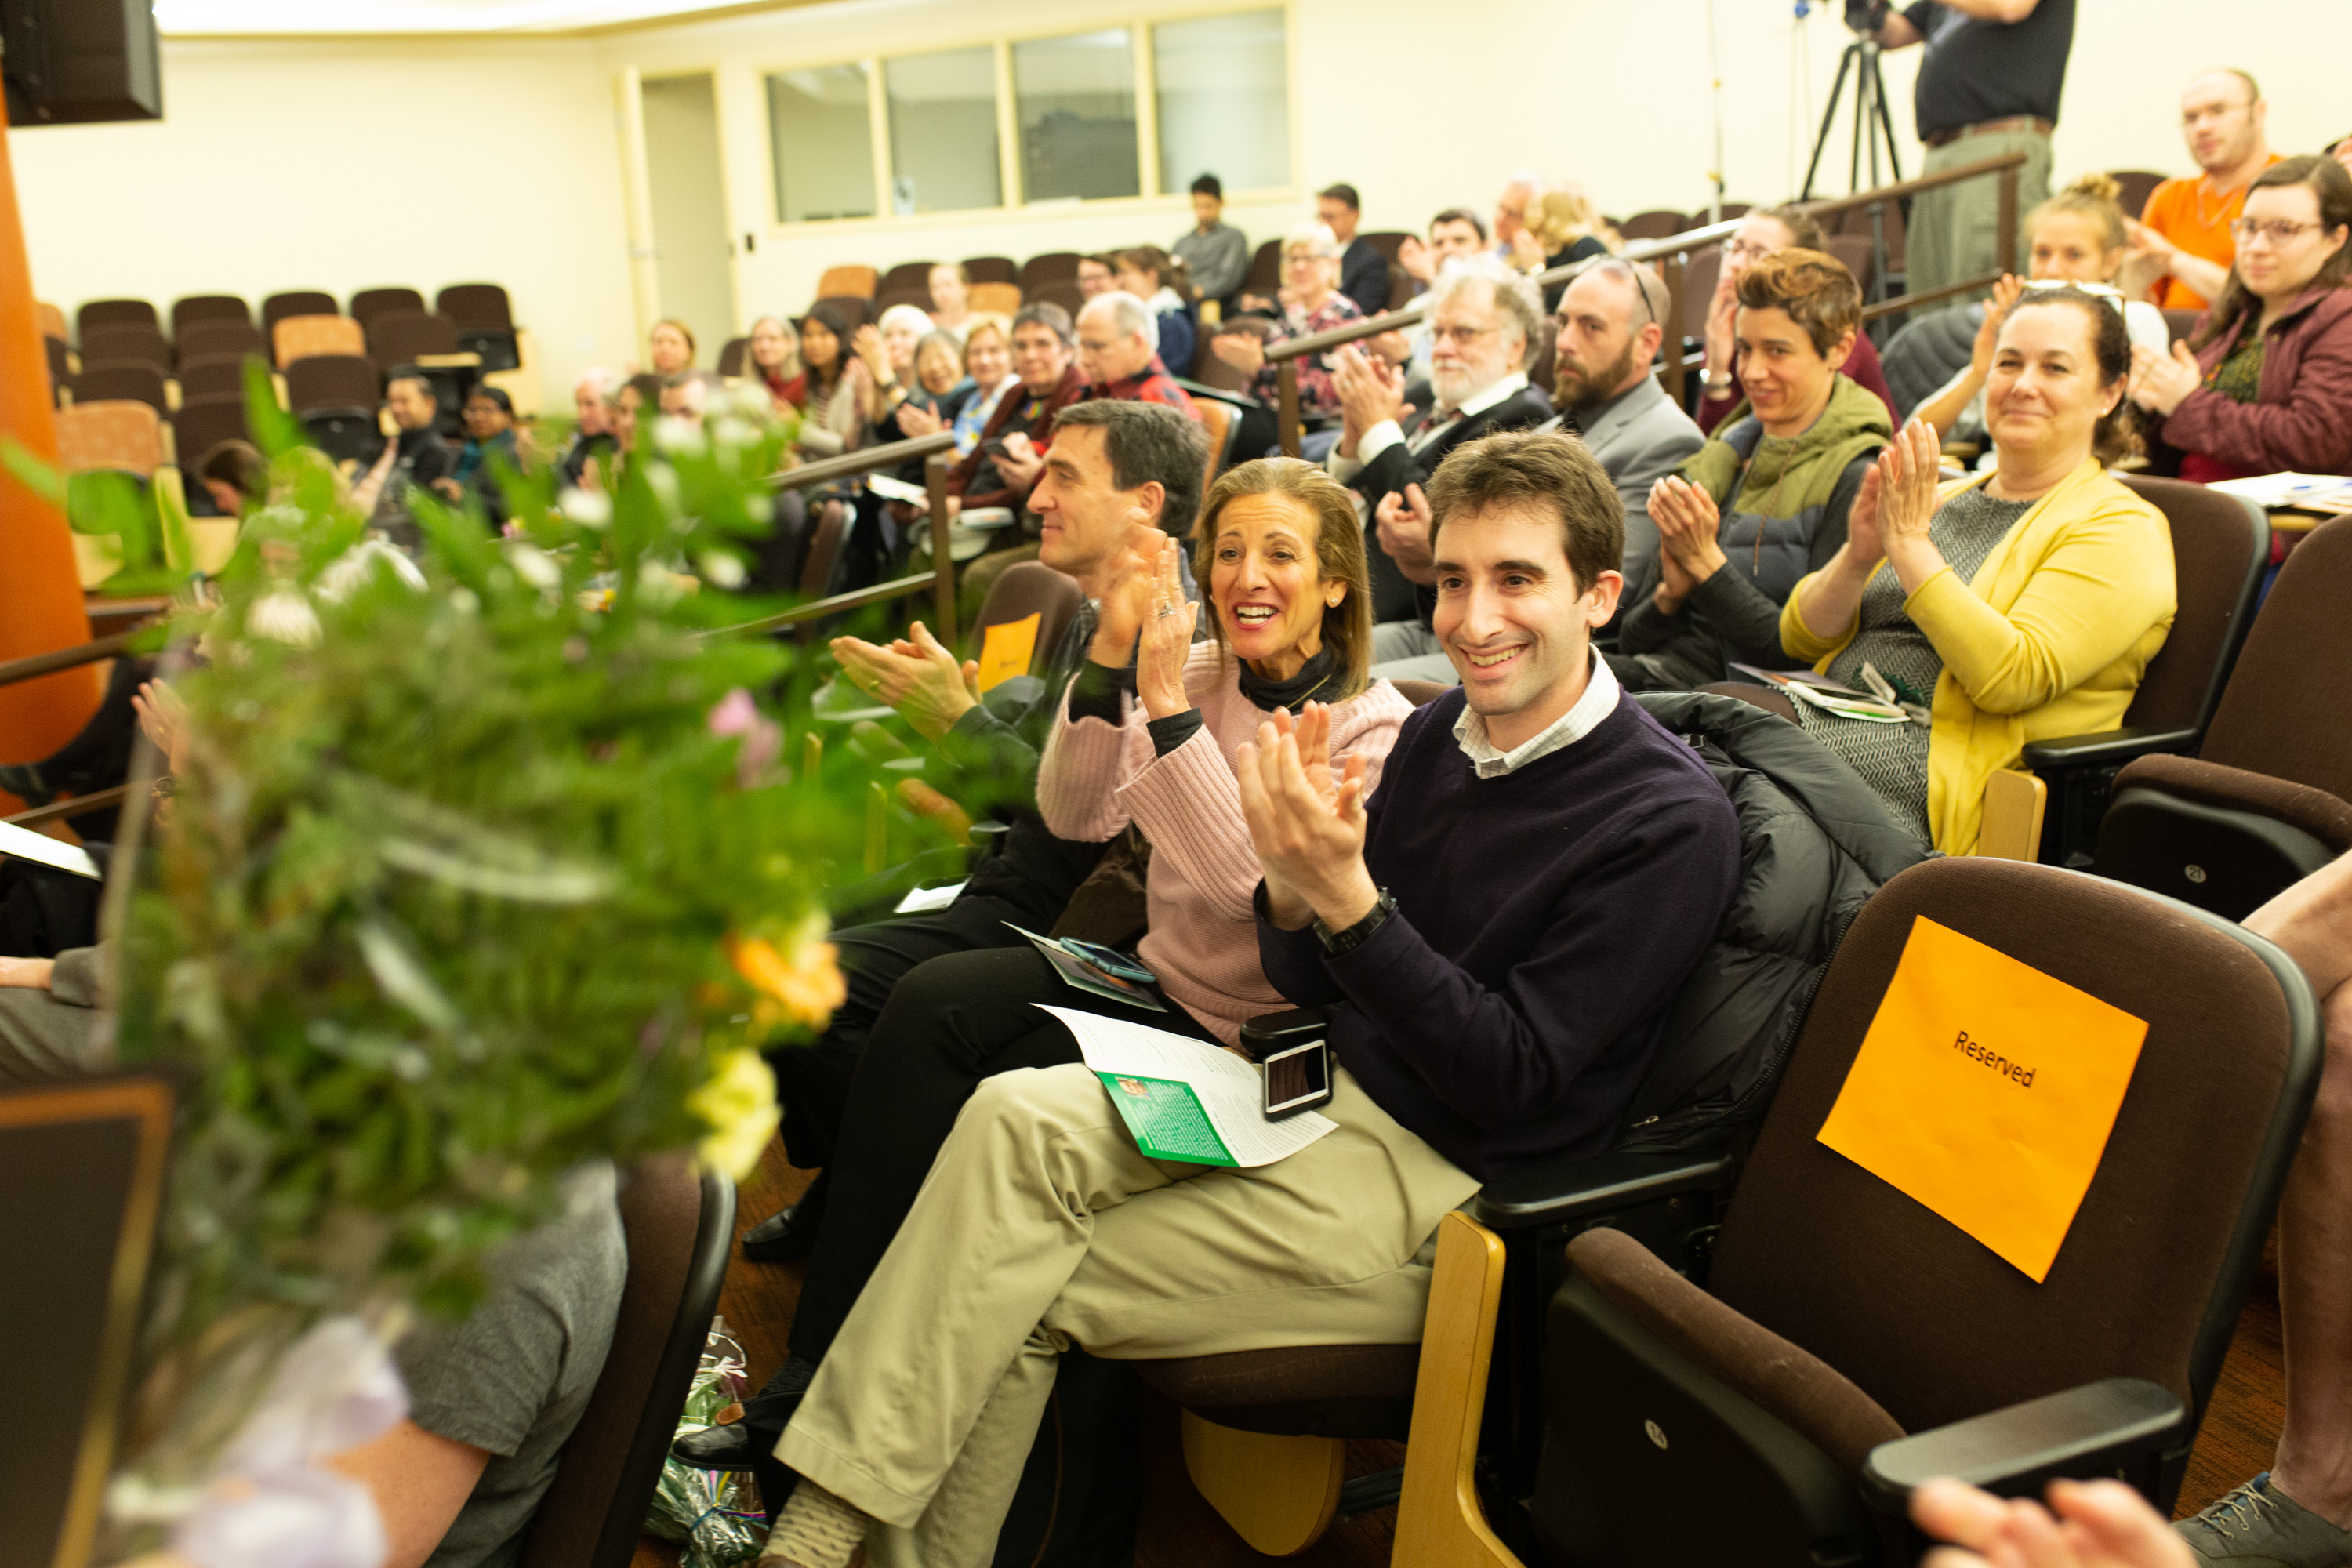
(1388, 432)
(1600, 700)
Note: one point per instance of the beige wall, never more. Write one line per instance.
(345, 165)
(342, 163)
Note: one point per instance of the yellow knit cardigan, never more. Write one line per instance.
(2050, 639)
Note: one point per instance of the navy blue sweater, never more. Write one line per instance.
(1507, 1011)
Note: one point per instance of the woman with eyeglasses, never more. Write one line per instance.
(2264, 384)
(1311, 303)
(2078, 237)
(2013, 605)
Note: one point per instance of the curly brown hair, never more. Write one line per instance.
(1815, 290)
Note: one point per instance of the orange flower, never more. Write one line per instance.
(804, 989)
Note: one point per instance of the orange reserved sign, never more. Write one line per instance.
(1986, 1091)
(1005, 651)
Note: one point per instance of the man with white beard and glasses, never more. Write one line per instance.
(1482, 321)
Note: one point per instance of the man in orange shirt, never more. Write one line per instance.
(2182, 238)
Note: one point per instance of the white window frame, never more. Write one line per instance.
(1015, 208)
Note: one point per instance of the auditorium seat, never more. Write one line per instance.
(1655, 1408)
(1050, 267)
(914, 275)
(53, 322)
(919, 297)
(676, 1225)
(2134, 188)
(115, 313)
(130, 381)
(60, 366)
(297, 337)
(735, 357)
(1222, 423)
(1860, 258)
(206, 339)
(202, 423)
(1700, 220)
(1062, 291)
(996, 299)
(2220, 548)
(125, 342)
(825, 533)
(1658, 223)
(485, 322)
(2266, 798)
(1023, 589)
(856, 280)
(1846, 1342)
(190, 310)
(2181, 324)
(857, 309)
(400, 337)
(210, 375)
(370, 303)
(1265, 275)
(296, 302)
(1700, 277)
(122, 436)
(1857, 221)
(317, 384)
(990, 269)
(1211, 372)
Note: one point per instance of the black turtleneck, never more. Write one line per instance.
(1100, 692)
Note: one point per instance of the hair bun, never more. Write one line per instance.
(2098, 187)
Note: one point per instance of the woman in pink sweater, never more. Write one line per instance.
(1281, 561)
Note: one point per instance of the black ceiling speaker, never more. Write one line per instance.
(70, 62)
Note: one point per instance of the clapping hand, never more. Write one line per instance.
(2161, 382)
(1404, 534)
(1306, 822)
(163, 718)
(914, 420)
(1416, 260)
(1165, 639)
(914, 674)
(2099, 1524)
(1687, 521)
(1369, 394)
(1128, 602)
(2005, 295)
(1908, 472)
(1246, 352)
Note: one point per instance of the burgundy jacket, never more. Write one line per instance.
(2301, 421)
(1009, 416)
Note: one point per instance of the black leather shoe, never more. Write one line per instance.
(781, 1237)
(729, 1448)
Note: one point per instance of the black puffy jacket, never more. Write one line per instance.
(1815, 843)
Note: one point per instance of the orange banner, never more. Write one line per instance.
(1986, 1091)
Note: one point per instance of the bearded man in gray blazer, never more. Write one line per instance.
(1610, 321)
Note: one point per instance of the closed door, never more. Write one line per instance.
(693, 273)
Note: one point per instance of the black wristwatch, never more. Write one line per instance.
(1336, 942)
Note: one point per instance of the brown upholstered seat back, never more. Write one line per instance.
(595, 1506)
(1924, 1319)
(1031, 588)
(2219, 545)
(2288, 710)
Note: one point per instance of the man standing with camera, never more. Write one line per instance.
(1988, 86)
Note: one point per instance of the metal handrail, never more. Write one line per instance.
(32, 667)
(1670, 252)
(97, 800)
(939, 579)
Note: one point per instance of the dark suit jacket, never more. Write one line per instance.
(1394, 597)
(1364, 276)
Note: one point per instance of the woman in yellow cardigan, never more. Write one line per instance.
(2014, 606)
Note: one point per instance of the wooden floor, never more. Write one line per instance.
(2240, 1431)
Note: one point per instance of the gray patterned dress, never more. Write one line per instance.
(1893, 758)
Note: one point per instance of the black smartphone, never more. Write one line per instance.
(1297, 1058)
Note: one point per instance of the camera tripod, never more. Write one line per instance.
(1874, 128)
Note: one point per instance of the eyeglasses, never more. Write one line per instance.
(2277, 230)
(1740, 248)
(1460, 337)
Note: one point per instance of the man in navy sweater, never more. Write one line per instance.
(1501, 927)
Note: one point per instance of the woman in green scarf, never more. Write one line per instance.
(1765, 500)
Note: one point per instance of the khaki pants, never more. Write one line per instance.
(1042, 1226)
(1955, 232)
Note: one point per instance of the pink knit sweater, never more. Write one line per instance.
(1095, 778)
